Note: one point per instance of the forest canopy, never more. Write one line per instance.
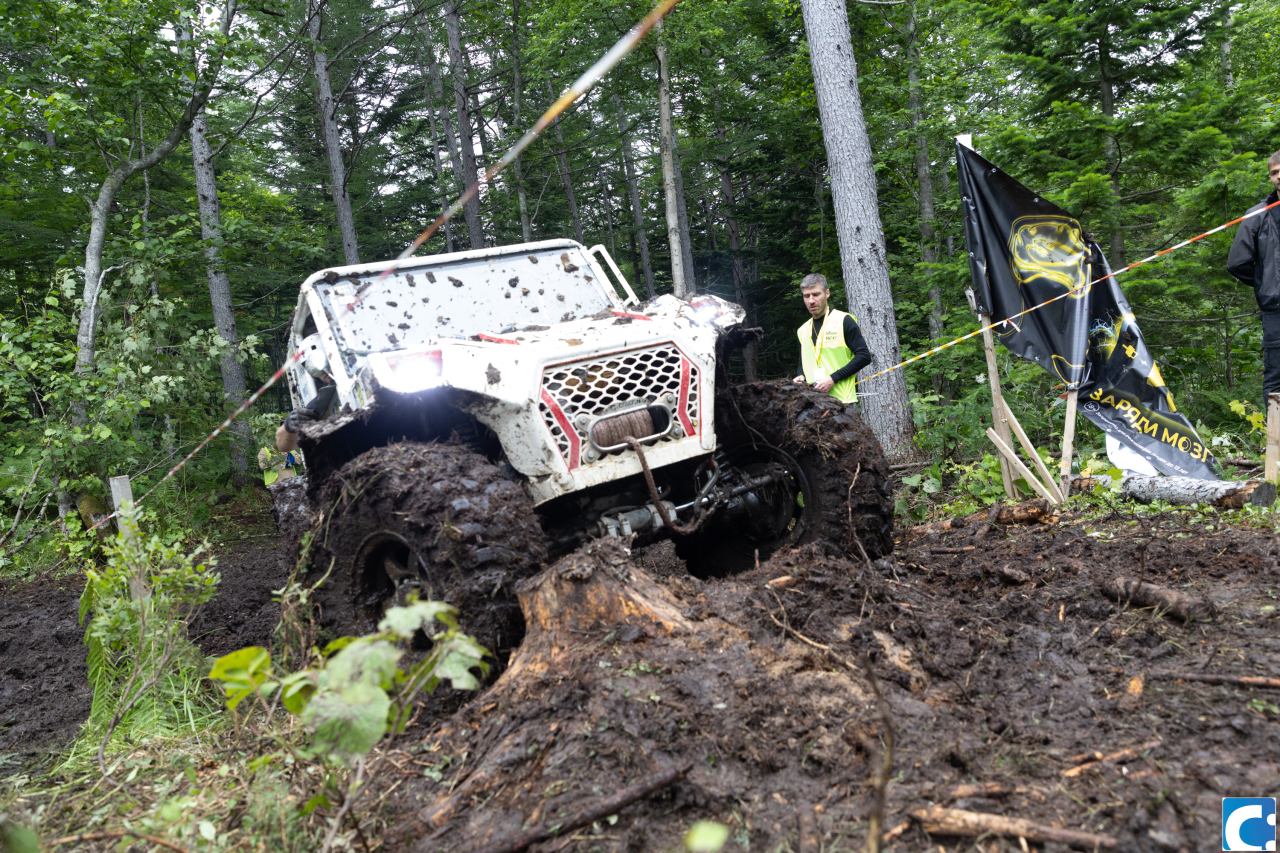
(211, 158)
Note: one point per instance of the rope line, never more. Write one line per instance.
(1008, 320)
(585, 82)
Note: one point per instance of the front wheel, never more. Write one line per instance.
(432, 521)
(830, 480)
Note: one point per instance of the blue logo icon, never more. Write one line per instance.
(1248, 823)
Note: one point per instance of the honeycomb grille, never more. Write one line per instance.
(593, 386)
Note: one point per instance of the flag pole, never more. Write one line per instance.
(1068, 439)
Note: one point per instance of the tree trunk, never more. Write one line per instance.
(608, 217)
(563, 159)
(666, 134)
(441, 200)
(450, 140)
(633, 189)
(853, 194)
(224, 318)
(924, 175)
(332, 141)
(682, 219)
(1107, 98)
(739, 269)
(466, 142)
(526, 228)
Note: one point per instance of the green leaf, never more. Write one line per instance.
(241, 673)
(706, 836)
(348, 723)
(406, 621)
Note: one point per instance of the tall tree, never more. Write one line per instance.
(466, 142)
(853, 194)
(332, 136)
(224, 317)
(666, 134)
(640, 235)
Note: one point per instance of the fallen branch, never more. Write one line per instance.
(1027, 512)
(1011, 574)
(1175, 603)
(1233, 680)
(116, 833)
(1122, 755)
(938, 820)
(591, 814)
(875, 824)
(966, 549)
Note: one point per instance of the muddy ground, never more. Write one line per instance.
(1004, 665)
(44, 696)
(1015, 685)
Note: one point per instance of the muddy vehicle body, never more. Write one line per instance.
(498, 406)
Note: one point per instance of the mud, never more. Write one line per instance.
(1017, 685)
(44, 695)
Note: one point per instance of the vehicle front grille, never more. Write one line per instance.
(593, 386)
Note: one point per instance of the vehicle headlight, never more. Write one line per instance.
(414, 370)
(705, 310)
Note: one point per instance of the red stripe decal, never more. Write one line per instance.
(633, 316)
(684, 398)
(575, 443)
(485, 336)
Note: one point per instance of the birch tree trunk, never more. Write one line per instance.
(1108, 104)
(224, 318)
(526, 228)
(853, 194)
(682, 218)
(332, 140)
(466, 142)
(633, 189)
(666, 133)
(563, 159)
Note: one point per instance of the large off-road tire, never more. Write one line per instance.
(437, 520)
(837, 492)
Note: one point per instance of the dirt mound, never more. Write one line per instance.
(441, 513)
(1011, 692)
(245, 612)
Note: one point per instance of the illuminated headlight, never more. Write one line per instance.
(705, 311)
(410, 371)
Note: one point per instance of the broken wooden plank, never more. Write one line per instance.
(939, 820)
(1030, 450)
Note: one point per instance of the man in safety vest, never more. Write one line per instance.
(832, 350)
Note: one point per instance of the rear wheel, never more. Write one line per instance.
(830, 483)
(437, 521)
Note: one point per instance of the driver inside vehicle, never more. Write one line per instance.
(318, 407)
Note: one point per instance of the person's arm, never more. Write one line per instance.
(1242, 260)
(861, 352)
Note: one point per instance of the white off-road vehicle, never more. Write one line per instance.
(495, 407)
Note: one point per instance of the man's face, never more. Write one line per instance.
(815, 299)
(1273, 172)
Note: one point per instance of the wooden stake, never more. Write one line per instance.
(1068, 440)
(1041, 468)
(997, 403)
(1271, 463)
(122, 502)
(1007, 452)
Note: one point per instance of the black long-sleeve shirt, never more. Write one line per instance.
(854, 341)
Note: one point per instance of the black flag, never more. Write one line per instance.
(1023, 251)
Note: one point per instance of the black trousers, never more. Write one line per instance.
(1270, 354)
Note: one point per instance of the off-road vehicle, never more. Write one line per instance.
(495, 407)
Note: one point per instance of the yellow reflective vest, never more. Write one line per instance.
(830, 354)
